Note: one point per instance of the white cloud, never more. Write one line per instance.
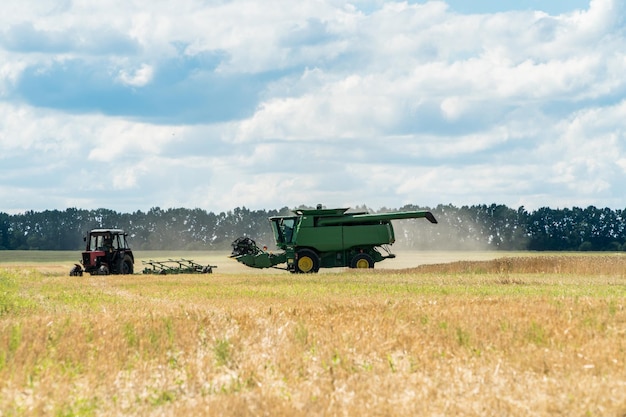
(115, 139)
(453, 107)
(137, 78)
(28, 131)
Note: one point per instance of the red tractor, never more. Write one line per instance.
(107, 252)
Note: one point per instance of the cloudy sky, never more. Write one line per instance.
(217, 104)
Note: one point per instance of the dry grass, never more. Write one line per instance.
(613, 264)
(532, 336)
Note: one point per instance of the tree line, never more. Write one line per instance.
(485, 227)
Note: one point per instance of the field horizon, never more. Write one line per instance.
(473, 334)
(58, 260)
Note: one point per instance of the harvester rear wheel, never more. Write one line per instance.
(307, 261)
(362, 260)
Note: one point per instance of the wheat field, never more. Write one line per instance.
(473, 335)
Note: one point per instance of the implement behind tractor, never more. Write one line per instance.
(172, 266)
(326, 238)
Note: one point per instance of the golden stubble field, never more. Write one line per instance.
(429, 334)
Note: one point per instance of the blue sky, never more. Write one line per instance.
(217, 105)
(553, 7)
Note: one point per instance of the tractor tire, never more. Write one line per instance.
(307, 261)
(125, 266)
(362, 261)
(77, 271)
(103, 270)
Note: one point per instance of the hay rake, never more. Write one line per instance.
(176, 266)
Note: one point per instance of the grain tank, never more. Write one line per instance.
(326, 238)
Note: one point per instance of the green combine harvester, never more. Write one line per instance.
(326, 238)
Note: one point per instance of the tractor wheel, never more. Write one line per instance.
(125, 266)
(77, 271)
(307, 261)
(362, 260)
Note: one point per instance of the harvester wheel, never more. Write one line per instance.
(362, 260)
(307, 261)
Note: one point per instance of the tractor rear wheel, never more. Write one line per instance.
(307, 261)
(125, 266)
(362, 260)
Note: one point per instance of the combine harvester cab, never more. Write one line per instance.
(326, 238)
